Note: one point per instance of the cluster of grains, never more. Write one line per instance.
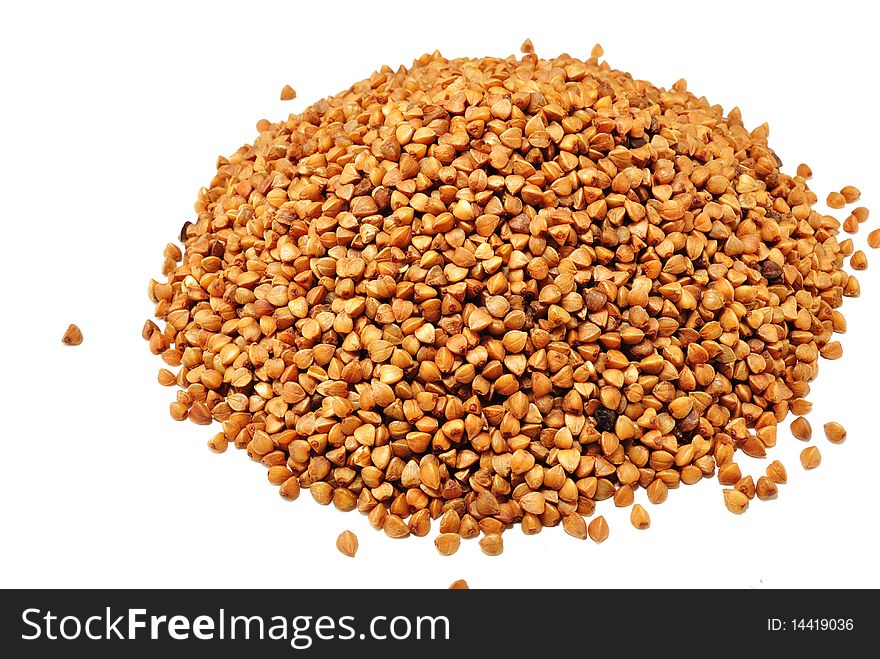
(490, 292)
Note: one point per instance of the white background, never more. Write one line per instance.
(111, 118)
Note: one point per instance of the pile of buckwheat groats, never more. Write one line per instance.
(496, 291)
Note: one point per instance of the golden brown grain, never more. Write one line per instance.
(492, 544)
(447, 543)
(575, 525)
(800, 406)
(460, 584)
(729, 474)
(347, 543)
(850, 193)
(874, 239)
(657, 492)
(598, 530)
(72, 336)
(861, 214)
(832, 350)
(858, 261)
(810, 457)
(290, 489)
(167, 378)
(639, 517)
(776, 472)
(288, 93)
(835, 432)
(835, 200)
(765, 488)
(736, 501)
(746, 485)
(801, 429)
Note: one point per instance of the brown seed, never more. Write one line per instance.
(765, 488)
(835, 432)
(447, 543)
(810, 457)
(832, 350)
(850, 193)
(736, 501)
(729, 474)
(492, 544)
(347, 543)
(639, 517)
(290, 489)
(858, 261)
(776, 472)
(804, 171)
(623, 497)
(835, 200)
(575, 525)
(874, 239)
(167, 378)
(395, 527)
(460, 584)
(861, 214)
(278, 475)
(179, 411)
(598, 530)
(73, 336)
(469, 527)
(200, 414)
(801, 429)
(800, 406)
(657, 491)
(287, 93)
(746, 485)
(218, 443)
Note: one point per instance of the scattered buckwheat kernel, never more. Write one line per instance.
(575, 525)
(835, 200)
(835, 432)
(639, 517)
(850, 193)
(288, 93)
(736, 501)
(347, 543)
(460, 584)
(746, 485)
(832, 350)
(776, 472)
(810, 457)
(492, 544)
(73, 336)
(800, 406)
(447, 543)
(765, 488)
(801, 429)
(858, 261)
(598, 529)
